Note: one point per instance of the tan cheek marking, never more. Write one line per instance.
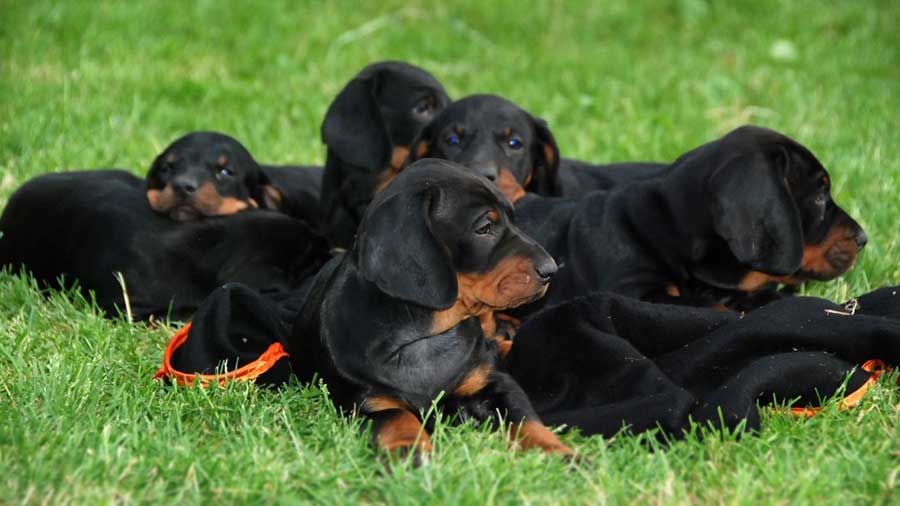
(207, 199)
(815, 255)
(509, 186)
(161, 201)
(474, 382)
(231, 205)
(480, 293)
(532, 434)
(399, 156)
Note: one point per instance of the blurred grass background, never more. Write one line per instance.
(109, 84)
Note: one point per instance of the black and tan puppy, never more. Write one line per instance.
(368, 129)
(207, 174)
(87, 226)
(397, 320)
(495, 139)
(727, 220)
(499, 140)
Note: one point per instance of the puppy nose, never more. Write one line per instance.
(861, 240)
(546, 269)
(184, 186)
(487, 169)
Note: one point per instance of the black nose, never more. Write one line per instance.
(546, 268)
(184, 186)
(861, 240)
(486, 169)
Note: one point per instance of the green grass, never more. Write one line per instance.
(86, 85)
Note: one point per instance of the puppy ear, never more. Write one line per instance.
(546, 161)
(397, 250)
(153, 180)
(753, 211)
(353, 127)
(263, 191)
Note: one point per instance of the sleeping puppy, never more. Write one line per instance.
(499, 140)
(727, 220)
(207, 174)
(368, 129)
(396, 321)
(87, 226)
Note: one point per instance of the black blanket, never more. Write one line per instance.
(604, 361)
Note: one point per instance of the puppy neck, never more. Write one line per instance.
(465, 307)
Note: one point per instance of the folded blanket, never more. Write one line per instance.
(603, 362)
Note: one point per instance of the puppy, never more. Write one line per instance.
(368, 129)
(208, 174)
(495, 139)
(85, 227)
(396, 320)
(726, 221)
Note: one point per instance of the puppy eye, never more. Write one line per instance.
(453, 140)
(820, 200)
(422, 108)
(485, 229)
(514, 143)
(225, 172)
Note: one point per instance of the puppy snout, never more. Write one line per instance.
(184, 186)
(546, 269)
(488, 169)
(861, 240)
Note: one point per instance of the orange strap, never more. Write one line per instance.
(248, 372)
(851, 400)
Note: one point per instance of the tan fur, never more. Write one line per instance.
(509, 187)
(533, 434)
(473, 382)
(511, 283)
(403, 431)
(815, 256)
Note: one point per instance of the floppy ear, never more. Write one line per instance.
(753, 211)
(397, 251)
(354, 129)
(153, 181)
(263, 192)
(546, 161)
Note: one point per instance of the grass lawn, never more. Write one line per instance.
(85, 85)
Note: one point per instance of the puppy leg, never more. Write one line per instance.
(399, 432)
(526, 430)
(498, 330)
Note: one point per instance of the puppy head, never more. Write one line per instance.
(496, 139)
(438, 236)
(770, 200)
(374, 118)
(207, 174)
